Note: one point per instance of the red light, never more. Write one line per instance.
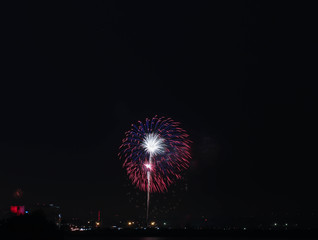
(14, 209)
(18, 210)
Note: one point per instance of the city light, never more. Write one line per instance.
(152, 223)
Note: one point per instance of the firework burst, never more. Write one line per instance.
(155, 152)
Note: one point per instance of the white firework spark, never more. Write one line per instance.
(153, 144)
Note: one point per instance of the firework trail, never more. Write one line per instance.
(155, 153)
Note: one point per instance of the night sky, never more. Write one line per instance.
(238, 75)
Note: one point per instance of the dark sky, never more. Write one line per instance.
(238, 75)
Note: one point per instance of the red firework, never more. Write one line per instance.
(155, 152)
